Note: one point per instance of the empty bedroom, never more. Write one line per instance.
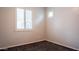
(39, 28)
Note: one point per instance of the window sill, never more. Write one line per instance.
(29, 30)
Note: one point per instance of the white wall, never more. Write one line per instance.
(10, 37)
(63, 27)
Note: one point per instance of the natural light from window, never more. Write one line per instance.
(24, 18)
(28, 19)
(20, 18)
(50, 14)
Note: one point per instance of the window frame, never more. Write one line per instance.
(23, 30)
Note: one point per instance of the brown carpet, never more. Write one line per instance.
(39, 46)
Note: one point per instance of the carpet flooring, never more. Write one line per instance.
(39, 46)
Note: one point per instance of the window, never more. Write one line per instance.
(50, 14)
(20, 18)
(24, 19)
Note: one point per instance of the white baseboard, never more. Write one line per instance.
(39, 41)
(20, 44)
(63, 45)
